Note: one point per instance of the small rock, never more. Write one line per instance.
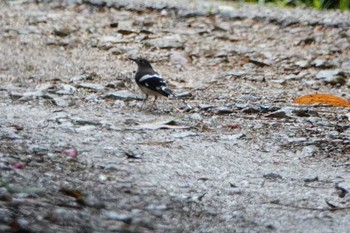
(157, 207)
(303, 64)
(65, 89)
(292, 77)
(312, 179)
(124, 27)
(23, 224)
(5, 229)
(272, 176)
(279, 81)
(196, 117)
(239, 106)
(119, 104)
(87, 129)
(85, 77)
(92, 98)
(270, 227)
(189, 13)
(180, 59)
(319, 63)
(268, 108)
(289, 112)
(5, 195)
(63, 31)
(249, 97)
(38, 150)
(63, 215)
(9, 133)
(309, 150)
(233, 137)
(61, 89)
(312, 84)
(36, 19)
(166, 42)
(347, 115)
(343, 187)
(102, 178)
(236, 73)
(346, 66)
(109, 39)
(27, 95)
(5, 216)
(57, 100)
(279, 114)
(91, 86)
(306, 41)
(92, 201)
(333, 77)
(78, 121)
(112, 215)
(118, 51)
(122, 95)
(305, 113)
(116, 84)
(132, 155)
(46, 87)
(25, 191)
(205, 106)
(300, 140)
(251, 110)
(223, 110)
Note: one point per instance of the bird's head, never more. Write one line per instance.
(142, 63)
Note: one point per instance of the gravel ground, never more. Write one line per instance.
(78, 155)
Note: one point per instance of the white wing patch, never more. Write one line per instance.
(148, 76)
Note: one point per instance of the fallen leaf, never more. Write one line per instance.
(78, 195)
(322, 99)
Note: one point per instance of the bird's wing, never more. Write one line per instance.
(155, 83)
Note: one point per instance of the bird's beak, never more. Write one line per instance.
(132, 59)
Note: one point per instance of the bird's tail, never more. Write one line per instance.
(166, 92)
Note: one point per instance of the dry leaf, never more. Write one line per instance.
(322, 99)
(78, 195)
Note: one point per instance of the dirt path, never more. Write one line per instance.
(78, 155)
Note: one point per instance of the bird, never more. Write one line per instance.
(149, 81)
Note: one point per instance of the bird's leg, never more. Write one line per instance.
(154, 102)
(144, 102)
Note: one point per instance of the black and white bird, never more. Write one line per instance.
(149, 81)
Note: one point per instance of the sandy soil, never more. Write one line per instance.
(78, 155)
